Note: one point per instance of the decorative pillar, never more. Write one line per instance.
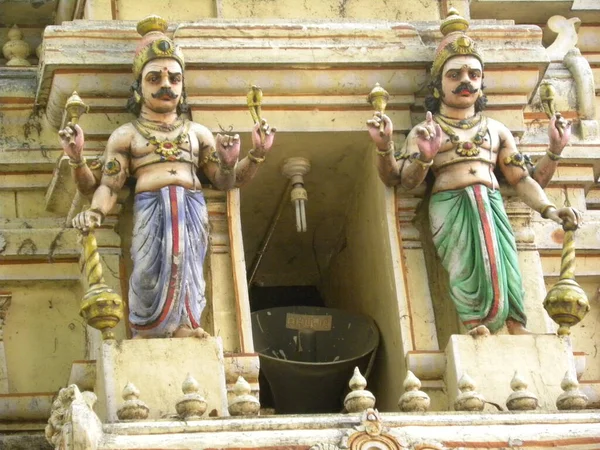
(5, 300)
(530, 265)
(422, 322)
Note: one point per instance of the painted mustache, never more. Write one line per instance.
(164, 91)
(465, 87)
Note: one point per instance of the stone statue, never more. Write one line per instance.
(462, 147)
(163, 151)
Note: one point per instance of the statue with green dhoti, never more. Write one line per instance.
(462, 147)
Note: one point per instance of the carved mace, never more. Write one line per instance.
(566, 303)
(101, 307)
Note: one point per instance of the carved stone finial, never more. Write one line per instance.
(521, 399)
(16, 50)
(133, 408)
(413, 399)
(192, 404)
(572, 398)
(358, 399)
(244, 404)
(468, 399)
(453, 22)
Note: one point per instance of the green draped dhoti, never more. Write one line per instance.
(475, 242)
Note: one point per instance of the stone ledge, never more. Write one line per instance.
(453, 430)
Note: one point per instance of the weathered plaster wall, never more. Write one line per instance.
(263, 9)
(43, 334)
(361, 278)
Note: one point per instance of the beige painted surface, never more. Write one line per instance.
(158, 367)
(43, 334)
(535, 292)
(330, 9)
(529, 11)
(365, 277)
(337, 170)
(97, 10)
(172, 10)
(491, 361)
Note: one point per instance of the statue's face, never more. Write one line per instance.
(162, 84)
(461, 81)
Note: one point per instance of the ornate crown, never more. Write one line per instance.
(154, 44)
(454, 43)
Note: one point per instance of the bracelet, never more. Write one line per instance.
(255, 159)
(390, 149)
(97, 211)
(545, 209)
(78, 164)
(553, 156)
(423, 164)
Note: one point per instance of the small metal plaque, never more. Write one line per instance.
(308, 322)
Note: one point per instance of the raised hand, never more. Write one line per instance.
(381, 140)
(72, 140)
(429, 138)
(86, 220)
(559, 133)
(228, 150)
(261, 144)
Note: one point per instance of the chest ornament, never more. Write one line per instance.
(468, 148)
(167, 149)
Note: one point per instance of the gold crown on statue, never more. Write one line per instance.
(454, 43)
(154, 44)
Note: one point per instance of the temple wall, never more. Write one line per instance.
(367, 249)
(262, 9)
(361, 279)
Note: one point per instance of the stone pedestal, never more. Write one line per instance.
(158, 367)
(491, 361)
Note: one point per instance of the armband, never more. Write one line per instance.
(112, 167)
(516, 159)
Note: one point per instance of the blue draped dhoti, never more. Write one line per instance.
(169, 242)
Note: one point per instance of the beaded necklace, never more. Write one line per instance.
(150, 125)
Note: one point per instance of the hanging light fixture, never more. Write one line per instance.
(295, 168)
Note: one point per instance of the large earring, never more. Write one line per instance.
(436, 93)
(137, 96)
(480, 94)
(181, 100)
